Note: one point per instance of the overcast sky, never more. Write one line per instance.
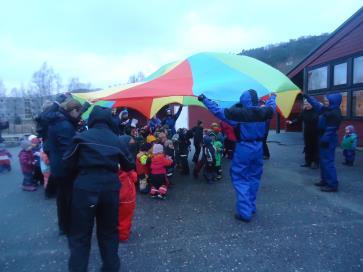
(103, 42)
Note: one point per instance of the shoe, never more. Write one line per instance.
(320, 184)
(29, 188)
(240, 218)
(314, 166)
(163, 197)
(219, 177)
(328, 189)
(305, 165)
(266, 157)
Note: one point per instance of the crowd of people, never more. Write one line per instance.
(96, 167)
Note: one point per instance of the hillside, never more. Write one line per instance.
(284, 56)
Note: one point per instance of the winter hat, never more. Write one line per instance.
(71, 104)
(350, 128)
(158, 149)
(211, 134)
(25, 144)
(31, 137)
(35, 141)
(145, 147)
(150, 139)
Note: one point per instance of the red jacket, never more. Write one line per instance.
(26, 160)
(141, 169)
(159, 163)
(228, 131)
(128, 190)
(5, 157)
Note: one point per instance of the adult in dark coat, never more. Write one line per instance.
(62, 128)
(95, 158)
(4, 124)
(198, 140)
(309, 117)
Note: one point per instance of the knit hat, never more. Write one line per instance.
(150, 139)
(157, 149)
(25, 144)
(350, 128)
(71, 104)
(31, 137)
(214, 125)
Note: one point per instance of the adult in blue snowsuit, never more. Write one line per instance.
(170, 120)
(330, 117)
(249, 122)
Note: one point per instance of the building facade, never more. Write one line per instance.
(337, 66)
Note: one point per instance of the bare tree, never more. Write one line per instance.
(136, 77)
(45, 82)
(75, 84)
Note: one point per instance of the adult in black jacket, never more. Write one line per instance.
(4, 124)
(184, 147)
(198, 139)
(95, 158)
(61, 129)
(310, 118)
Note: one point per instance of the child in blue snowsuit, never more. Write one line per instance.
(329, 121)
(349, 144)
(249, 121)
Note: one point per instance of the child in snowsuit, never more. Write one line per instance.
(5, 156)
(159, 162)
(27, 162)
(218, 147)
(44, 166)
(127, 203)
(36, 148)
(170, 154)
(143, 167)
(209, 159)
(349, 144)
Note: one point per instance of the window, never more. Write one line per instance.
(357, 103)
(340, 74)
(318, 78)
(358, 70)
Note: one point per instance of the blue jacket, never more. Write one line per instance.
(329, 117)
(61, 130)
(248, 118)
(171, 120)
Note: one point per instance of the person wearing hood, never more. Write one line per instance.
(62, 125)
(125, 123)
(349, 144)
(330, 117)
(249, 121)
(154, 123)
(94, 158)
(309, 118)
(208, 159)
(170, 120)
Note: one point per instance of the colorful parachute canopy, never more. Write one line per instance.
(221, 77)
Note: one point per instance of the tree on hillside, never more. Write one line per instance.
(2, 89)
(45, 82)
(75, 84)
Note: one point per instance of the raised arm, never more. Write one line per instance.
(176, 116)
(216, 110)
(314, 103)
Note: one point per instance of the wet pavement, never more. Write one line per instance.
(296, 228)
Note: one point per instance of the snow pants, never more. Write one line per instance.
(246, 172)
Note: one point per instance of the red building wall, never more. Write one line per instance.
(198, 113)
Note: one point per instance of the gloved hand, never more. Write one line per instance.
(201, 97)
(85, 106)
(324, 144)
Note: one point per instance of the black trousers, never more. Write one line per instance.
(51, 189)
(184, 164)
(86, 207)
(266, 151)
(311, 148)
(64, 198)
(198, 148)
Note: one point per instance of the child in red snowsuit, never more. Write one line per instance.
(127, 203)
(143, 167)
(158, 178)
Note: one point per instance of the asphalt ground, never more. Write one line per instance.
(296, 227)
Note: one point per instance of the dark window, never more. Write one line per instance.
(318, 78)
(340, 74)
(357, 103)
(358, 70)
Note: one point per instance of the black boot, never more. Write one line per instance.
(320, 184)
(328, 189)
